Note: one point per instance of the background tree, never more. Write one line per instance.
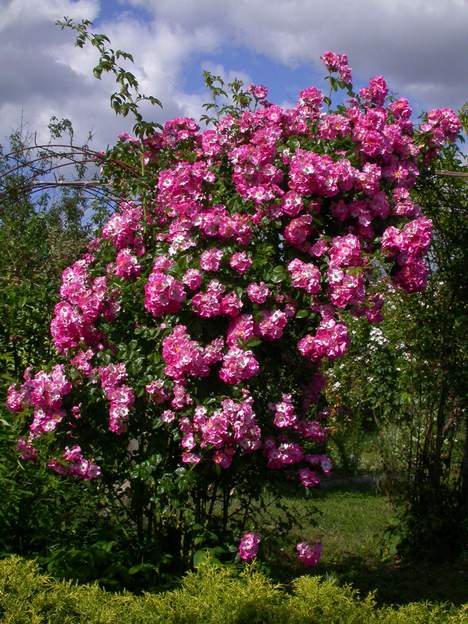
(47, 215)
(404, 383)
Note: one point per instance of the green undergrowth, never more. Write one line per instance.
(211, 595)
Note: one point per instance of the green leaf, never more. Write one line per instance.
(200, 557)
(278, 274)
(252, 342)
(142, 567)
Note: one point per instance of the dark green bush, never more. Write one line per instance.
(212, 595)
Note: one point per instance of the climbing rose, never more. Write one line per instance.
(248, 546)
(309, 554)
(196, 324)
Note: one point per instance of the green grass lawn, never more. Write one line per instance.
(357, 549)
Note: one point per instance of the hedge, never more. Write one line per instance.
(209, 596)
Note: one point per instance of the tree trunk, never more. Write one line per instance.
(463, 505)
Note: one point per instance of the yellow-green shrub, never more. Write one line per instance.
(210, 596)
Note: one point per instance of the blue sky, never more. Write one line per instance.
(420, 46)
(284, 81)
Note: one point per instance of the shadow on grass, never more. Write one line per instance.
(352, 524)
(392, 582)
(364, 483)
(397, 583)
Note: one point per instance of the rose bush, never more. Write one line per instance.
(191, 333)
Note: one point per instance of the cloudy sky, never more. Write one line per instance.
(420, 46)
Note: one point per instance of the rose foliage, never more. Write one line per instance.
(191, 333)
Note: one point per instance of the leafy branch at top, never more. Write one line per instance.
(127, 99)
(238, 100)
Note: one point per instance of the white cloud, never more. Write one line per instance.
(23, 14)
(419, 45)
(44, 74)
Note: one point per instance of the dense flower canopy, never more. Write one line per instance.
(234, 282)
